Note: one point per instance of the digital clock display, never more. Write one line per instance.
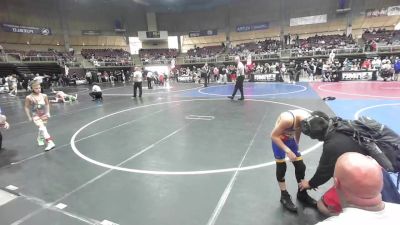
(153, 34)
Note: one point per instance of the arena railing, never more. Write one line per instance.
(156, 61)
(39, 59)
(227, 58)
(17, 57)
(294, 53)
(388, 49)
(113, 64)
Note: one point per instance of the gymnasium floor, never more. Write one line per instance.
(180, 155)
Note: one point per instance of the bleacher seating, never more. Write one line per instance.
(162, 56)
(206, 52)
(107, 57)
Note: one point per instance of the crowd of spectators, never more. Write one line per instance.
(323, 45)
(163, 56)
(380, 37)
(293, 46)
(267, 46)
(206, 52)
(50, 55)
(107, 57)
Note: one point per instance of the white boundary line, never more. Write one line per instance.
(201, 172)
(197, 117)
(153, 93)
(229, 187)
(271, 94)
(357, 115)
(354, 94)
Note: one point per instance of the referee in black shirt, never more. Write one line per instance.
(239, 79)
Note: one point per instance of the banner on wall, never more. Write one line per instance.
(308, 20)
(394, 11)
(91, 32)
(251, 27)
(203, 33)
(376, 12)
(25, 29)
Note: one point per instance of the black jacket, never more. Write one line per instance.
(335, 144)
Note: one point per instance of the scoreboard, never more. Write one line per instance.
(152, 35)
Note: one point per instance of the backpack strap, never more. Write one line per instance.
(398, 181)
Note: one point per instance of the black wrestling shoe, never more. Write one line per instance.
(240, 99)
(307, 200)
(230, 97)
(286, 201)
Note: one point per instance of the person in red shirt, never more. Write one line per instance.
(366, 64)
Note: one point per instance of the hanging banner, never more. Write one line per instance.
(376, 12)
(394, 11)
(254, 26)
(25, 29)
(203, 33)
(308, 20)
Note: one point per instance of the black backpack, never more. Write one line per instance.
(381, 142)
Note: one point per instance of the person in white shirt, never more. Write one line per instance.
(13, 85)
(96, 93)
(239, 80)
(137, 82)
(3, 124)
(332, 56)
(358, 181)
(223, 76)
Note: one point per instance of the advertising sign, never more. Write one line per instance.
(25, 29)
(254, 26)
(203, 33)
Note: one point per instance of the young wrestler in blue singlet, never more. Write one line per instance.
(285, 138)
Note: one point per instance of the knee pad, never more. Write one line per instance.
(300, 170)
(280, 171)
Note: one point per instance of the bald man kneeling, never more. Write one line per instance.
(358, 182)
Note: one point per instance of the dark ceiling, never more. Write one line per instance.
(180, 5)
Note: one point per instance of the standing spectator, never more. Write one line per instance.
(358, 181)
(397, 69)
(215, 73)
(37, 109)
(3, 124)
(89, 77)
(13, 85)
(137, 82)
(123, 76)
(161, 79)
(205, 73)
(223, 75)
(332, 56)
(149, 79)
(239, 80)
(112, 78)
